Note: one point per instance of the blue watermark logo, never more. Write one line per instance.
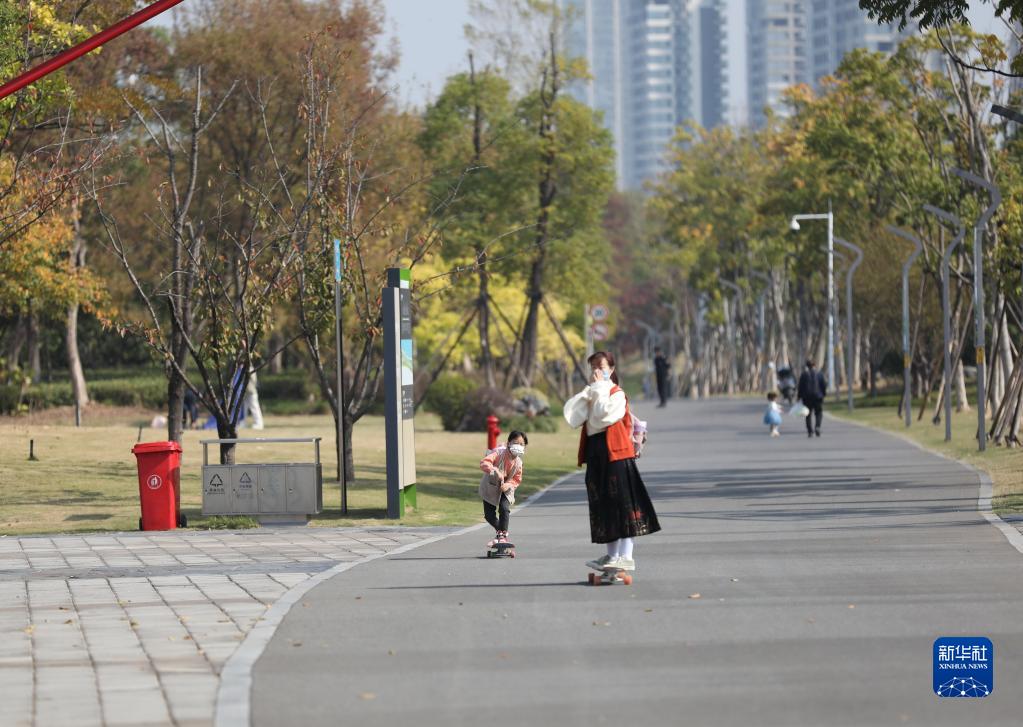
(964, 666)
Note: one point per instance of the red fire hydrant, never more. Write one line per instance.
(492, 431)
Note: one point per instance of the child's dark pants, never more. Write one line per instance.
(491, 513)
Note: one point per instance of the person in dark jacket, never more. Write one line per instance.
(661, 367)
(813, 387)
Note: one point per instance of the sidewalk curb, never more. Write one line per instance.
(232, 707)
(986, 486)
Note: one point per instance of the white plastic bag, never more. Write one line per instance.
(799, 410)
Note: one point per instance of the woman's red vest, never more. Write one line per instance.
(619, 437)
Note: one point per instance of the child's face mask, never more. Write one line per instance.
(517, 449)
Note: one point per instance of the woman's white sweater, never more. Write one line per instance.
(596, 407)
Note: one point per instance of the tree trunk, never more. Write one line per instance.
(483, 300)
(347, 424)
(78, 388)
(74, 360)
(546, 190)
(16, 343)
(277, 360)
(35, 344)
(483, 325)
(962, 403)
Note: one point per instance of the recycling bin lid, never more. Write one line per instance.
(146, 447)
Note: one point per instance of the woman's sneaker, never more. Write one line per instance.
(599, 563)
(502, 537)
(494, 541)
(623, 563)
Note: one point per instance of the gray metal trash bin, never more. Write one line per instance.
(278, 492)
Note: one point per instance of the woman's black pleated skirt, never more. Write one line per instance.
(619, 504)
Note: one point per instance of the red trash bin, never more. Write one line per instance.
(159, 466)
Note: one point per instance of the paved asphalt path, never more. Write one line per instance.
(825, 571)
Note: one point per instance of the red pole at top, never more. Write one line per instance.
(65, 57)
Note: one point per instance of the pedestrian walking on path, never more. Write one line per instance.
(620, 508)
(813, 387)
(661, 368)
(502, 474)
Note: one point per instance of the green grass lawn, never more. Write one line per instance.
(85, 479)
(1003, 464)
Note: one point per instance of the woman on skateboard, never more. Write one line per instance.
(502, 473)
(620, 508)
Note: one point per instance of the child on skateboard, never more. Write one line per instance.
(502, 473)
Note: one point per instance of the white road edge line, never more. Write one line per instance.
(233, 708)
(1014, 536)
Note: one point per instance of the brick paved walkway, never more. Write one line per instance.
(133, 628)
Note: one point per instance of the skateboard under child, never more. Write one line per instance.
(610, 576)
(501, 550)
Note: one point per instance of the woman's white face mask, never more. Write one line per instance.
(517, 449)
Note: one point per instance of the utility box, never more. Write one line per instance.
(279, 493)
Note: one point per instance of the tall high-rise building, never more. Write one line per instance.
(839, 26)
(654, 65)
(776, 54)
(801, 41)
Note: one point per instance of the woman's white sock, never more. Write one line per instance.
(612, 548)
(625, 548)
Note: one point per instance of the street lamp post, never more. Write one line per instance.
(946, 324)
(849, 315)
(907, 357)
(794, 225)
(978, 298)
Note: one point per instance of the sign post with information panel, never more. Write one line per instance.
(399, 397)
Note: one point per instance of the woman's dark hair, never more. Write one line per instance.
(516, 433)
(597, 358)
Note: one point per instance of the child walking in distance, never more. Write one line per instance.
(502, 474)
(772, 417)
(620, 507)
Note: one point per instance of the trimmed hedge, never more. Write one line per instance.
(448, 397)
(9, 398)
(150, 391)
(523, 423)
(294, 385)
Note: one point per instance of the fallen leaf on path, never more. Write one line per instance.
(648, 610)
(367, 695)
(694, 595)
(852, 605)
(735, 580)
(601, 623)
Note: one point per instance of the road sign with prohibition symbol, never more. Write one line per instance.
(599, 331)
(599, 313)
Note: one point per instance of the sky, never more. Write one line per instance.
(431, 42)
